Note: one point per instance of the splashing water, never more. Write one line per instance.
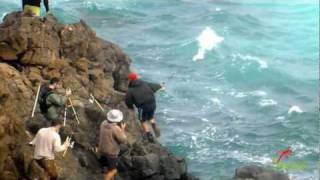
(295, 109)
(207, 40)
(3, 15)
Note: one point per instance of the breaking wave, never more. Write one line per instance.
(207, 40)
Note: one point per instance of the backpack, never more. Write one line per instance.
(42, 99)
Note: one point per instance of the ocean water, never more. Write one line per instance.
(241, 75)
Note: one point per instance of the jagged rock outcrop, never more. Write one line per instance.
(33, 50)
(258, 173)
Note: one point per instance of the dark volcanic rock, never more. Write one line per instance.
(32, 51)
(258, 173)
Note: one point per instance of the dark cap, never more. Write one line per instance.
(56, 122)
(54, 80)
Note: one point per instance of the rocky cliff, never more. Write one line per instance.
(34, 50)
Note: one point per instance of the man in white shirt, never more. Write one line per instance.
(47, 142)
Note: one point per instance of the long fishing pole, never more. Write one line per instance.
(36, 101)
(74, 111)
(94, 100)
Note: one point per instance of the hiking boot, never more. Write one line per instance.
(150, 137)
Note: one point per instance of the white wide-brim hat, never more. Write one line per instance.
(115, 116)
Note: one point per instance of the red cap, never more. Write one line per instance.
(132, 76)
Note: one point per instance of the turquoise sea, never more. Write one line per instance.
(241, 75)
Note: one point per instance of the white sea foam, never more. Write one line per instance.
(207, 40)
(240, 95)
(217, 90)
(194, 142)
(216, 101)
(236, 94)
(209, 132)
(280, 118)
(218, 9)
(3, 15)
(267, 102)
(204, 120)
(301, 150)
(303, 175)
(294, 109)
(248, 158)
(232, 92)
(262, 63)
(258, 93)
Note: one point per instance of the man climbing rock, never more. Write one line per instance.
(34, 6)
(47, 142)
(50, 102)
(112, 134)
(141, 94)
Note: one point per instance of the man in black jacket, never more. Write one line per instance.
(141, 94)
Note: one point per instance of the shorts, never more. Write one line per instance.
(147, 111)
(50, 168)
(109, 162)
(35, 10)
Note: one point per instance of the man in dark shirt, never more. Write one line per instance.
(34, 7)
(141, 94)
(50, 101)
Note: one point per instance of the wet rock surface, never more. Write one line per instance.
(34, 50)
(258, 173)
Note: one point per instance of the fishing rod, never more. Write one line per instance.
(94, 100)
(36, 101)
(70, 146)
(74, 111)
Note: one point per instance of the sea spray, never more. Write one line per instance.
(249, 59)
(294, 109)
(207, 40)
(3, 15)
(267, 102)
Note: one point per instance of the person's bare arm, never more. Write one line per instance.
(57, 144)
(33, 140)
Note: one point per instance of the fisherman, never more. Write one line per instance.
(50, 102)
(34, 7)
(112, 134)
(141, 94)
(47, 142)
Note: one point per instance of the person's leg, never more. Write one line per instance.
(113, 174)
(153, 124)
(156, 130)
(142, 119)
(50, 167)
(145, 114)
(112, 167)
(23, 3)
(146, 131)
(145, 128)
(110, 174)
(151, 113)
(41, 163)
